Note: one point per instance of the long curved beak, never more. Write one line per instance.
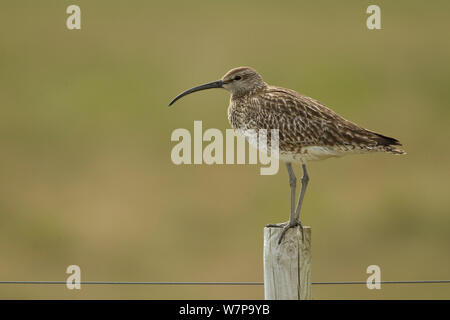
(210, 85)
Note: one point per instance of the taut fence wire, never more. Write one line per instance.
(226, 283)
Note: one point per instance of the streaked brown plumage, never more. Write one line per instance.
(302, 122)
(308, 130)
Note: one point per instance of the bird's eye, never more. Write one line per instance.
(237, 78)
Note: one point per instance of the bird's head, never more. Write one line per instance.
(242, 80)
(239, 82)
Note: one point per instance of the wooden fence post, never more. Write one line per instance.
(287, 267)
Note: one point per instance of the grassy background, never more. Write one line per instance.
(85, 169)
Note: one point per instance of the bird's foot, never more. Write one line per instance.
(286, 226)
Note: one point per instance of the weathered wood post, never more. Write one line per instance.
(287, 266)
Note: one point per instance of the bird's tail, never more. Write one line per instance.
(394, 150)
(388, 144)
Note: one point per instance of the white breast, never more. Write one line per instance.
(313, 153)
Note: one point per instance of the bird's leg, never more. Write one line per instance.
(293, 184)
(293, 220)
(295, 215)
(305, 180)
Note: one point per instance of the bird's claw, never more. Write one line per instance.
(286, 226)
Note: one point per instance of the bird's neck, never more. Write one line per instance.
(242, 94)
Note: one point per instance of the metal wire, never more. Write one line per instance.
(135, 283)
(384, 282)
(220, 283)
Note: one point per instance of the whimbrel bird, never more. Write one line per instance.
(308, 130)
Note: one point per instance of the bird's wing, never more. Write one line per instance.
(303, 121)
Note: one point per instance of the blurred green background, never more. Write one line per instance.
(86, 175)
